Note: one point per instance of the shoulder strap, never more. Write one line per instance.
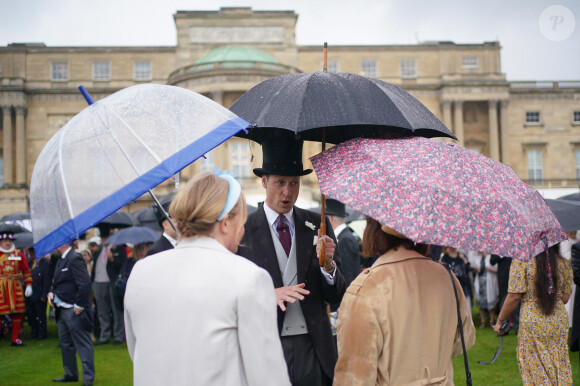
(460, 325)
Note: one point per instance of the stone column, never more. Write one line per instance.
(217, 96)
(20, 146)
(504, 129)
(7, 146)
(447, 121)
(493, 130)
(459, 122)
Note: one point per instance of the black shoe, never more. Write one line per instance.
(64, 378)
(88, 383)
(117, 342)
(18, 343)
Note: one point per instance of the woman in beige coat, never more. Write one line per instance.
(398, 320)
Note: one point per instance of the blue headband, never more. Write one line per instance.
(233, 194)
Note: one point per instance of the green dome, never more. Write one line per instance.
(236, 54)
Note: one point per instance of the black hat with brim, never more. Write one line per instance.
(335, 208)
(282, 156)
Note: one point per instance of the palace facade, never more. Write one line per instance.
(532, 126)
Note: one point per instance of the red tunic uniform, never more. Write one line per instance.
(13, 268)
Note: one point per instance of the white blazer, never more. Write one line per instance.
(201, 315)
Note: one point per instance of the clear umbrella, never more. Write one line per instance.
(116, 150)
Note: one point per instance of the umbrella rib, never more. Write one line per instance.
(63, 179)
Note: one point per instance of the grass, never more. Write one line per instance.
(40, 361)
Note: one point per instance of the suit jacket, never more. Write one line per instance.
(258, 246)
(209, 319)
(71, 280)
(113, 267)
(40, 280)
(349, 255)
(162, 244)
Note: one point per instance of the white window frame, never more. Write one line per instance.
(332, 66)
(408, 68)
(207, 164)
(142, 74)
(470, 62)
(535, 165)
(101, 71)
(533, 118)
(369, 68)
(240, 159)
(59, 71)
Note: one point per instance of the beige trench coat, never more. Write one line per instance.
(397, 324)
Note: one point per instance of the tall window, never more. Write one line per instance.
(332, 66)
(240, 159)
(408, 68)
(101, 71)
(59, 71)
(535, 165)
(369, 68)
(470, 62)
(207, 163)
(2, 170)
(578, 164)
(533, 117)
(142, 71)
(576, 117)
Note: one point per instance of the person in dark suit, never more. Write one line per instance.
(70, 296)
(168, 239)
(347, 243)
(282, 239)
(107, 263)
(40, 287)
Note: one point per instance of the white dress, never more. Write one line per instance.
(201, 315)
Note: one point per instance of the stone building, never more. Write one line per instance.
(532, 126)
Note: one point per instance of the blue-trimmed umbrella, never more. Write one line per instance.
(116, 150)
(133, 235)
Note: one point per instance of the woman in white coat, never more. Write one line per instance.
(199, 314)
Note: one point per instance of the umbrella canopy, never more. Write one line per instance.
(571, 197)
(567, 212)
(349, 105)
(116, 150)
(23, 240)
(133, 235)
(16, 216)
(118, 220)
(146, 217)
(13, 228)
(439, 193)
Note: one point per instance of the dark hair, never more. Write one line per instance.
(376, 242)
(546, 301)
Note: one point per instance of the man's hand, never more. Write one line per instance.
(77, 310)
(290, 294)
(50, 297)
(329, 251)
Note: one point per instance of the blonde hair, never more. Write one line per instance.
(198, 205)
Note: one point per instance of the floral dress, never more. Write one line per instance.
(542, 339)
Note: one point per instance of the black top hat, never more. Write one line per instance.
(335, 208)
(282, 156)
(165, 203)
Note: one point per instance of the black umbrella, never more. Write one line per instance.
(133, 235)
(147, 217)
(348, 105)
(13, 228)
(15, 216)
(571, 197)
(23, 240)
(567, 212)
(118, 220)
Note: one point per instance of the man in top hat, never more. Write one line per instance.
(13, 268)
(168, 239)
(347, 241)
(282, 239)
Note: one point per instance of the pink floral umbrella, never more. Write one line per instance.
(439, 193)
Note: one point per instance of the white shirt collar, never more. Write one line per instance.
(272, 216)
(66, 252)
(171, 239)
(339, 229)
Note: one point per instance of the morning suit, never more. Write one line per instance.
(349, 253)
(162, 244)
(209, 319)
(258, 246)
(71, 285)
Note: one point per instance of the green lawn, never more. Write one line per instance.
(39, 362)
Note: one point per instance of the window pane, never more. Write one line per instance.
(101, 71)
(576, 116)
(369, 68)
(59, 71)
(578, 164)
(535, 165)
(207, 163)
(240, 159)
(532, 117)
(408, 68)
(142, 71)
(1, 171)
(332, 66)
(470, 62)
